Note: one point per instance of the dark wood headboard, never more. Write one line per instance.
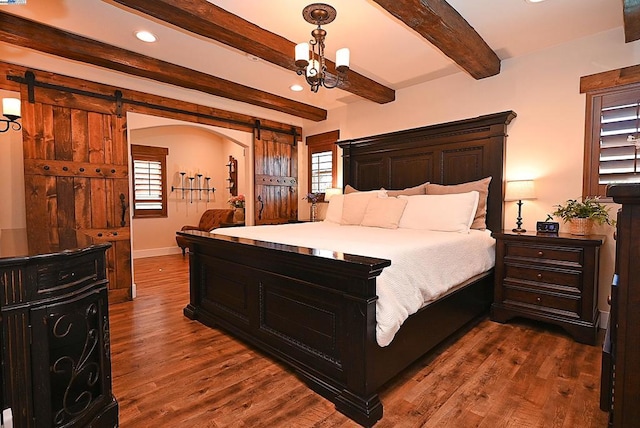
(447, 153)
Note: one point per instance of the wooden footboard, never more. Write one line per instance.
(316, 312)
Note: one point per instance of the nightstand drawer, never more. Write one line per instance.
(571, 255)
(538, 300)
(563, 278)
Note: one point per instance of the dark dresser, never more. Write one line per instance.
(620, 387)
(56, 367)
(551, 278)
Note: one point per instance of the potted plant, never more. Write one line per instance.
(237, 202)
(582, 215)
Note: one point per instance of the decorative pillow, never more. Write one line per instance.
(355, 204)
(350, 189)
(481, 186)
(448, 213)
(416, 190)
(334, 210)
(384, 212)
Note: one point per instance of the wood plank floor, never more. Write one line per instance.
(169, 371)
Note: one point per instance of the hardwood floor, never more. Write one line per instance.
(172, 372)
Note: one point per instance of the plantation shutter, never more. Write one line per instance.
(149, 188)
(619, 144)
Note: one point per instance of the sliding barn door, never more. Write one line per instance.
(276, 177)
(76, 178)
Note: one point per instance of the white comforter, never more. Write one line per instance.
(424, 264)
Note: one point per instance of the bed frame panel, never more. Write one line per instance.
(314, 309)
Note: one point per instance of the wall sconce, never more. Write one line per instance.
(233, 176)
(195, 186)
(11, 110)
(518, 191)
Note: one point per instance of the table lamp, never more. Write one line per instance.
(519, 190)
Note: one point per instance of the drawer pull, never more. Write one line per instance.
(540, 254)
(539, 276)
(538, 299)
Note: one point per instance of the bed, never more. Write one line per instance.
(316, 309)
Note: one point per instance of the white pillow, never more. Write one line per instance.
(384, 212)
(334, 210)
(448, 213)
(355, 204)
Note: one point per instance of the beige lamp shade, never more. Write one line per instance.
(518, 190)
(11, 107)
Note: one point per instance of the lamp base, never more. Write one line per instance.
(519, 230)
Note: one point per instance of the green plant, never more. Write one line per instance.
(590, 208)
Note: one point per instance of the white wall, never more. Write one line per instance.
(546, 140)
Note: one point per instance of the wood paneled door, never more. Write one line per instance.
(76, 178)
(276, 177)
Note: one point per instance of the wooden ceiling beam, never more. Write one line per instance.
(446, 29)
(631, 20)
(33, 35)
(208, 20)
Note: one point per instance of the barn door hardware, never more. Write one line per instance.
(123, 205)
(261, 207)
(118, 95)
(258, 127)
(30, 79)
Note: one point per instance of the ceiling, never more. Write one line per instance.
(383, 48)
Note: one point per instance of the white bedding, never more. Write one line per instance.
(424, 264)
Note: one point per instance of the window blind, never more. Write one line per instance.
(149, 181)
(147, 185)
(619, 144)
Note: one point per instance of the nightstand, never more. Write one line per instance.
(548, 278)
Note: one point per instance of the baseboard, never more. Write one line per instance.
(154, 252)
(604, 319)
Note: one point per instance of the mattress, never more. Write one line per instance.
(424, 264)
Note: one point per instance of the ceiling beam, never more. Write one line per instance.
(631, 20)
(33, 35)
(446, 29)
(208, 20)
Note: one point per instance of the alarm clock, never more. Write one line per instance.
(548, 227)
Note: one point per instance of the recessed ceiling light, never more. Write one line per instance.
(146, 36)
(534, 1)
(296, 88)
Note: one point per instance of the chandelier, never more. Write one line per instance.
(310, 56)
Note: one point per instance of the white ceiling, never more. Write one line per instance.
(382, 48)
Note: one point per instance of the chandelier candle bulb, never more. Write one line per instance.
(11, 107)
(302, 54)
(313, 69)
(342, 59)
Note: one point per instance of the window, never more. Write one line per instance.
(322, 161)
(612, 140)
(149, 181)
